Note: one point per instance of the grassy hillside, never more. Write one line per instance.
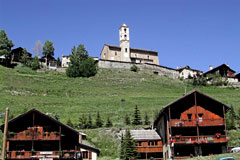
(22, 89)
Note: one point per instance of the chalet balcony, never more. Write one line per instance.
(150, 149)
(194, 122)
(41, 155)
(201, 140)
(33, 136)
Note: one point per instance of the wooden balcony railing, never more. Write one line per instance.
(200, 139)
(41, 154)
(34, 136)
(150, 149)
(194, 122)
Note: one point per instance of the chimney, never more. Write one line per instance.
(210, 67)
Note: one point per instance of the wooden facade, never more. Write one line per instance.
(224, 70)
(35, 135)
(149, 144)
(193, 125)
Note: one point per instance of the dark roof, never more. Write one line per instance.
(189, 68)
(217, 68)
(132, 49)
(49, 58)
(238, 75)
(19, 50)
(42, 114)
(190, 93)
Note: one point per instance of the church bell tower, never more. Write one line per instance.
(124, 43)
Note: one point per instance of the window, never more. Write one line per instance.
(125, 49)
(148, 57)
(200, 117)
(115, 53)
(125, 36)
(139, 143)
(189, 117)
(125, 30)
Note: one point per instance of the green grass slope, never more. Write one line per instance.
(52, 92)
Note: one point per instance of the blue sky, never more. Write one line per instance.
(198, 33)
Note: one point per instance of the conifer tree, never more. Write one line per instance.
(122, 148)
(25, 57)
(129, 146)
(99, 122)
(5, 46)
(89, 124)
(69, 123)
(146, 119)
(127, 120)
(82, 122)
(136, 117)
(109, 122)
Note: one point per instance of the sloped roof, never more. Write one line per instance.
(217, 68)
(133, 49)
(141, 135)
(185, 96)
(42, 114)
(189, 68)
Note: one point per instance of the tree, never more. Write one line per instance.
(99, 122)
(122, 147)
(231, 119)
(146, 119)
(25, 57)
(58, 62)
(80, 64)
(5, 46)
(56, 116)
(136, 117)
(69, 123)
(48, 50)
(35, 63)
(129, 146)
(89, 123)
(127, 120)
(109, 122)
(82, 123)
(38, 49)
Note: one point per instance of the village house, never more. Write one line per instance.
(35, 135)
(187, 72)
(17, 53)
(149, 144)
(124, 53)
(193, 125)
(224, 71)
(51, 63)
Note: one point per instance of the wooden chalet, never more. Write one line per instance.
(193, 125)
(224, 70)
(35, 135)
(148, 144)
(17, 53)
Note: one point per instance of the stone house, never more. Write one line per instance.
(187, 72)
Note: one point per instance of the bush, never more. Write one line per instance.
(134, 68)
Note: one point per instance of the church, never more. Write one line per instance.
(124, 53)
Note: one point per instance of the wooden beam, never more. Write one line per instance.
(5, 134)
(60, 133)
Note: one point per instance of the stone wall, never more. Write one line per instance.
(151, 68)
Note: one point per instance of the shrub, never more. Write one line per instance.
(134, 68)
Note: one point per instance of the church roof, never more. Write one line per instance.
(133, 49)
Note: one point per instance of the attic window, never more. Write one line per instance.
(200, 117)
(189, 117)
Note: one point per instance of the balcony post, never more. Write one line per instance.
(5, 135)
